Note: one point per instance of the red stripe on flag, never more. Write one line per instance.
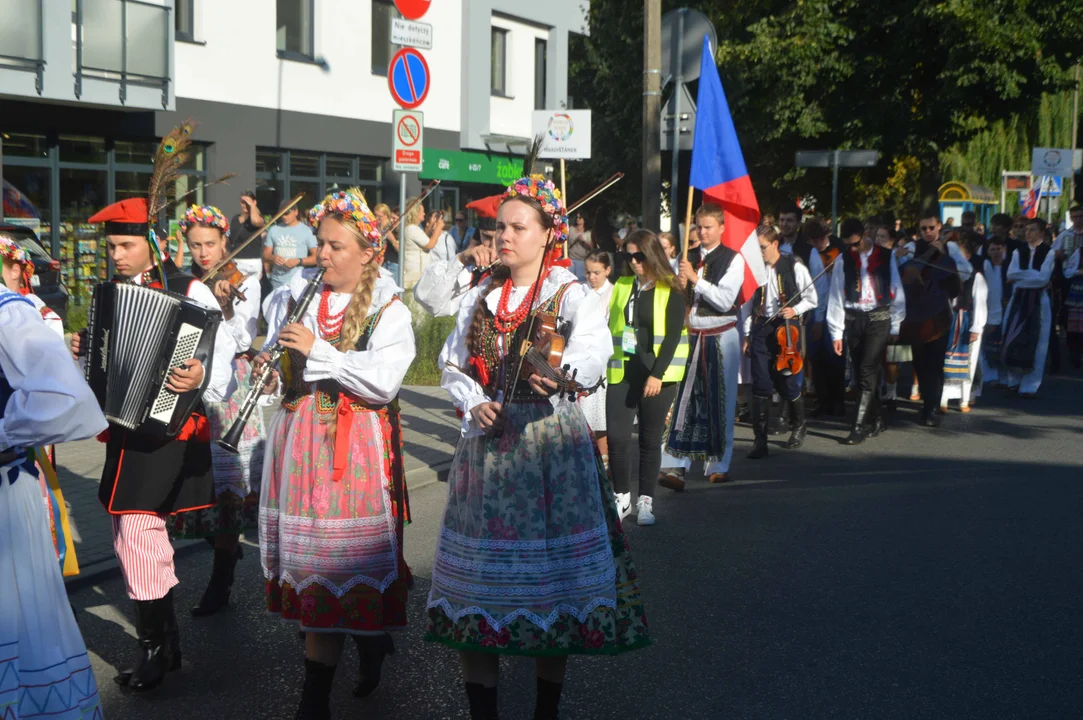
(738, 201)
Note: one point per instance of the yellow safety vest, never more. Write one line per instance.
(622, 291)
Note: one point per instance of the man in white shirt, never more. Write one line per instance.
(865, 303)
(788, 284)
(1028, 319)
(703, 416)
(1072, 238)
(827, 369)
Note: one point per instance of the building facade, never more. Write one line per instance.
(291, 96)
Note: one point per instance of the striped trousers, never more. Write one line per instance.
(145, 554)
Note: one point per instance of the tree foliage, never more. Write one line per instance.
(910, 78)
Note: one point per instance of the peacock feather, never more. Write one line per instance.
(171, 155)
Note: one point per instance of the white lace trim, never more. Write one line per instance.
(266, 513)
(601, 556)
(337, 590)
(476, 543)
(544, 623)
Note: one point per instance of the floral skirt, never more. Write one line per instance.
(44, 667)
(332, 550)
(236, 476)
(531, 558)
(697, 426)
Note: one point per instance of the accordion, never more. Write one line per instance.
(135, 336)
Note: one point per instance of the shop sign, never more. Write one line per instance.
(470, 167)
(565, 133)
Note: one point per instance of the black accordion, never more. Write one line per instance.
(135, 336)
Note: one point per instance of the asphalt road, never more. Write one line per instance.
(925, 574)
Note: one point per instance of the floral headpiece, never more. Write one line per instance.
(10, 250)
(542, 190)
(350, 206)
(207, 215)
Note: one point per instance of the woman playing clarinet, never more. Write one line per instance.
(333, 500)
(236, 476)
(531, 559)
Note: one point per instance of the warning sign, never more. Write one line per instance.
(408, 129)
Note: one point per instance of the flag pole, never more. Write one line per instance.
(687, 225)
(564, 199)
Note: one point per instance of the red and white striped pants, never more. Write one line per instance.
(145, 554)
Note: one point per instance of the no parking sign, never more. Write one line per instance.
(408, 78)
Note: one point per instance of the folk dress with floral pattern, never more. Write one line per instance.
(531, 558)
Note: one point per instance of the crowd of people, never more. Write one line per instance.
(571, 350)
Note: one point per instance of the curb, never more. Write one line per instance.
(107, 569)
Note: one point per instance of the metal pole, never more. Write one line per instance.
(835, 191)
(652, 96)
(1075, 136)
(402, 230)
(678, 90)
(1003, 190)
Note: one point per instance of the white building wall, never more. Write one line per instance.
(238, 62)
(512, 115)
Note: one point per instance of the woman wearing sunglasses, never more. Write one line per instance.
(650, 349)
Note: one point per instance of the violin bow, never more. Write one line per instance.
(801, 292)
(266, 226)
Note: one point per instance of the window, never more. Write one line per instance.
(294, 34)
(184, 20)
(281, 174)
(540, 50)
(383, 11)
(500, 60)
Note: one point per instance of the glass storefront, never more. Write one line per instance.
(53, 184)
(281, 174)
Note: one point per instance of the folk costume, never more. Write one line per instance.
(236, 475)
(828, 369)
(866, 304)
(44, 667)
(11, 252)
(970, 312)
(930, 288)
(701, 427)
(333, 500)
(531, 559)
(788, 281)
(1073, 303)
(1028, 319)
(442, 286)
(593, 405)
(998, 293)
(148, 477)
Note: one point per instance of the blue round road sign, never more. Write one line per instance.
(408, 78)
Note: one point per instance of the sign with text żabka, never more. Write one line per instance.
(565, 134)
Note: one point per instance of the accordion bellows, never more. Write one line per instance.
(135, 336)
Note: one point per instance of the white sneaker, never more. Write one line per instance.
(645, 510)
(624, 504)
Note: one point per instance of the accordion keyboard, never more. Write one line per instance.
(187, 342)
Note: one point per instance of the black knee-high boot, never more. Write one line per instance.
(159, 644)
(316, 693)
(371, 651)
(547, 704)
(482, 702)
(216, 596)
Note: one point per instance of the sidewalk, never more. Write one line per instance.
(430, 433)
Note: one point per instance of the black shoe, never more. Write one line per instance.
(371, 651)
(782, 425)
(547, 702)
(159, 645)
(760, 420)
(857, 432)
(483, 705)
(316, 694)
(798, 428)
(216, 595)
(929, 418)
(891, 404)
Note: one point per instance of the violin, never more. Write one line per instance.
(230, 274)
(789, 360)
(543, 355)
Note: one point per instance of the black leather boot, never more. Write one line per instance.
(483, 705)
(760, 420)
(216, 596)
(875, 417)
(371, 651)
(857, 432)
(798, 428)
(547, 702)
(783, 424)
(159, 645)
(316, 693)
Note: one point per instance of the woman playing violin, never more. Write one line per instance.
(530, 559)
(236, 477)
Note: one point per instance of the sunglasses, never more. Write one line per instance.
(636, 257)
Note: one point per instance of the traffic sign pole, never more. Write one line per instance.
(679, 73)
(399, 279)
(835, 192)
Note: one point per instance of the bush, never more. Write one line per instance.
(430, 334)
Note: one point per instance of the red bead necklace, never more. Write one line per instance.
(329, 324)
(506, 321)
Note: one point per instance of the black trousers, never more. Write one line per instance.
(866, 340)
(763, 349)
(623, 402)
(828, 372)
(929, 369)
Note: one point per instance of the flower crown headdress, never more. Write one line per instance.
(350, 206)
(207, 215)
(542, 190)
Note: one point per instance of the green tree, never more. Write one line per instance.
(910, 78)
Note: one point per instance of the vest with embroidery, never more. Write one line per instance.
(879, 272)
(714, 269)
(786, 279)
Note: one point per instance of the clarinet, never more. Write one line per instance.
(233, 437)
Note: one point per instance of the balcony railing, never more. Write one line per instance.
(21, 38)
(123, 40)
